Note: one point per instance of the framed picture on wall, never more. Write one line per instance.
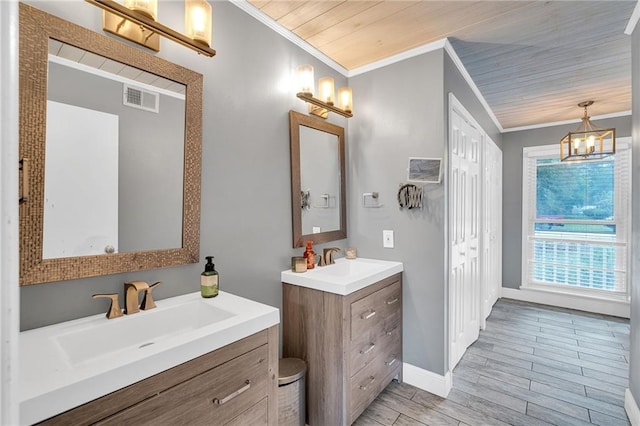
(425, 170)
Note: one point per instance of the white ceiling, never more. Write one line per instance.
(533, 61)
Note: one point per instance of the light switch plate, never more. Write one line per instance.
(387, 238)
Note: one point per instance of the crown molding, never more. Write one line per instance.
(633, 20)
(425, 48)
(573, 121)
(275, 26)
(467, 77)
(429, 47)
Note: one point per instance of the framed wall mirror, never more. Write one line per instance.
(110, 149)
(318, 194)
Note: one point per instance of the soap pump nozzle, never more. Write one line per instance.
(209, 266)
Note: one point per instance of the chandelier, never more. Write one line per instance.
(587, 142)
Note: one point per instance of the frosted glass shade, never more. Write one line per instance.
(345, 99)
(304, 74)
(146, 7)
(198, 16)
(326, 90)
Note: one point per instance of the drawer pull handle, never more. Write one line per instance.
(369, 349)
(391, 302)
(390, 332)
(371, 380)
(233, 395)
(369, 315)
(390, 363)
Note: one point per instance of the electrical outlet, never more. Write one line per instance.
(387, 238)
(315, 230)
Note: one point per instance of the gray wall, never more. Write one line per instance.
(634, 358)
(399, 114)
(246, 202)
(402, 112)
(150, 150)
(513, 142)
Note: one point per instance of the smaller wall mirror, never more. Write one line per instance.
(318, 194)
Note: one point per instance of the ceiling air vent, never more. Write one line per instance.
(136, 97)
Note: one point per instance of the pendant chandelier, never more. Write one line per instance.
(587, 142)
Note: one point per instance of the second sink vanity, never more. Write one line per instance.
(345, 321)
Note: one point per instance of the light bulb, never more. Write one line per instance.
(198, 16)
(326, 89)
(345, 99)
(576, 145)
(304, 74)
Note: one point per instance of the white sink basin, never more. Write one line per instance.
(345, 276)
(71, 363)
(85, 343)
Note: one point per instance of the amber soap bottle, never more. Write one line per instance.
(310, 255)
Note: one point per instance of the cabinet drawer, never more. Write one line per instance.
(371, 310)
(215, 397)
(380, 339)
(371, 379)
(256, 415)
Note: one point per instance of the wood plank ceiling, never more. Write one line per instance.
(533, 61)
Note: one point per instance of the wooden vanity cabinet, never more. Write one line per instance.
(234, 385)
(352, 345)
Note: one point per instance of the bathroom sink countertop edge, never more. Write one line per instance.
(345, 276)
(51, 382)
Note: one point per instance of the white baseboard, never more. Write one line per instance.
(630, 405)
(426, 380)
(570, 301)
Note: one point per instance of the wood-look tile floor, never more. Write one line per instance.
(533, 365)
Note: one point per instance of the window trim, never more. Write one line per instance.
(622, 144)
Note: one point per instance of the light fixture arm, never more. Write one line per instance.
(317, 102)
(153, 26)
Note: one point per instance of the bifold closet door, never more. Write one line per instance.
(464, 231)
(491, 228)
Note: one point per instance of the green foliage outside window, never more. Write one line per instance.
(581, 190)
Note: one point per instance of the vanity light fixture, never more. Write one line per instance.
(587, 142)
(325, 103)
(136, 21)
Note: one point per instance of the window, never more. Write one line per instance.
(576, 222)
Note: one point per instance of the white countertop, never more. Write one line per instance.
(345, 276)
(53, 380)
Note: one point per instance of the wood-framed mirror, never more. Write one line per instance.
(318, 189)
(104, 187)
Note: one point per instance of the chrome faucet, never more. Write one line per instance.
(327, 254)
(132, 292)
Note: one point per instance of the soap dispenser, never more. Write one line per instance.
(209, 279)
(310, 255)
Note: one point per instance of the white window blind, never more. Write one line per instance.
(576, 221)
